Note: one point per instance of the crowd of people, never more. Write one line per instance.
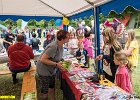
(121, 61)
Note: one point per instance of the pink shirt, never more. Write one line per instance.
(87, 46)
(122, 79)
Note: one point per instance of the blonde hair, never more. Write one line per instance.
(80, 44)
(112, 39)
(131, 36)
(121, 56)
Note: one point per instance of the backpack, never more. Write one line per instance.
(35, 42)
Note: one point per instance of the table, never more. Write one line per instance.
(4, 57)
(70, 91)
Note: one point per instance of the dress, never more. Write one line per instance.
(122, 79)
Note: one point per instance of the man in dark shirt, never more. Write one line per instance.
(39, 31)
(8, 38)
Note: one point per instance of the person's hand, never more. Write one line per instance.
(10, 43)
(59, 64)
(105, 62)
(99, 57)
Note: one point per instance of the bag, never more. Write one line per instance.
(34, 42)
(95, 78)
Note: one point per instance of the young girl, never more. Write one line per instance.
(82, 54)
(132, 50)
(72, 45)
(122, 77)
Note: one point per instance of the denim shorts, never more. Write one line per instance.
(46, 82)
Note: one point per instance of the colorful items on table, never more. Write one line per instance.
(66, 65)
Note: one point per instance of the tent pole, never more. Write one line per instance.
(97, 35)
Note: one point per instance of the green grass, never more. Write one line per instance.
(136, 78)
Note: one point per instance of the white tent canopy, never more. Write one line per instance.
(57, 8)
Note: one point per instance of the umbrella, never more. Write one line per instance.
(3, 27)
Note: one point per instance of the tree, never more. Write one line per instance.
(73, 23)
(87, 21)
(9, 22)
(32, 22)
(19, 22)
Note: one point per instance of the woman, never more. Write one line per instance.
(110, 39)
(48, 61)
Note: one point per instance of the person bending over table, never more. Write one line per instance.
(19, 57)
(48, 61)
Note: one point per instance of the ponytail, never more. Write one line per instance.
(130, 66)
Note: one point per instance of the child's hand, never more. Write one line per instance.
(99, 57)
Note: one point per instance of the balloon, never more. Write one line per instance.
(61, 26)
(66, 21)
(58, 22)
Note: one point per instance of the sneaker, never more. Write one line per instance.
(15, 81)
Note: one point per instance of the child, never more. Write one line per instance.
(72, 45)
(81, 54)
(122, 77)
(47, 41)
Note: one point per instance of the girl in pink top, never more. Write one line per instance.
(122, 77)
(88, 44)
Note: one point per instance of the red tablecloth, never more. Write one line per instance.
(77, 92)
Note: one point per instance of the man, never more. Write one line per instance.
(8, 38)
(39, 31)
(19, 57)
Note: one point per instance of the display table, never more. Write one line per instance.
(4, 57)
(71, 92)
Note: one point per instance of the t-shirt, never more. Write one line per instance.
(122, 79)
(55, 52)
(133, 58)
(8, 37)
(84, 58)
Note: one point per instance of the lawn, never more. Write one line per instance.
(136, 73)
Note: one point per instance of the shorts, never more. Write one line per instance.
(46, 83)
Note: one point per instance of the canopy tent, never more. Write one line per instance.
(53, 9)
(45, 9)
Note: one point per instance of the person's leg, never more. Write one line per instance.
(14, 78)
(44, 83)
(52, 88)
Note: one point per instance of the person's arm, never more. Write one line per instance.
(129, 51)
(4, 39)
(45, 59)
